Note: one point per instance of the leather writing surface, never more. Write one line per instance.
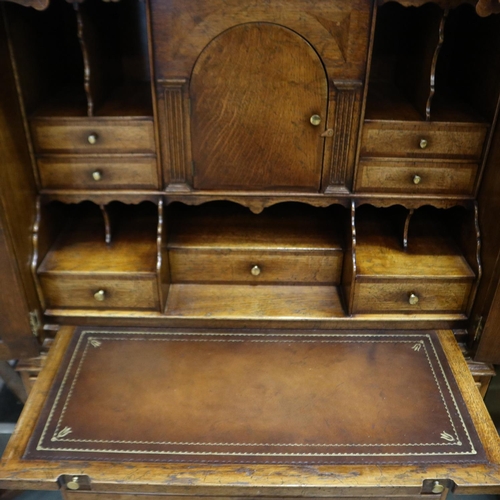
(220, 397)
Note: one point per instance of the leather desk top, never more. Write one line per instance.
(291, 398)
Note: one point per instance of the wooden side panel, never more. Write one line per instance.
(17, 212)
(15, 328)
(487, 304)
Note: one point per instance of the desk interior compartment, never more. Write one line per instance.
(414, 262)
(99, 258)
(290, 254)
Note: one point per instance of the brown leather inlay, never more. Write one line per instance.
(256, 398)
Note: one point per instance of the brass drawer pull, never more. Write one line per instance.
(92, 138)
(315, 120)
(100, 295)
(417, 179)
(413, 299)
(73, 484)
(255, 271)
(423, 143)
(97, 175)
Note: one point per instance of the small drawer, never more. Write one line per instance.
(93, 135)
(226, 266)
(423, 139)
(77, 291)
(418, 176)
(403, 296)
(74, 172)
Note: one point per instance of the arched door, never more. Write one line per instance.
(253, 92)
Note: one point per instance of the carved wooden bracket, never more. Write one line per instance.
(35, 4)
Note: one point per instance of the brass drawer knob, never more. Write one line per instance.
(423, 143)
(437, 487)
(417, 179)
(413, 299)
(73, 484)
(315, 120)
(100, 295)
(97, 175)
(92, 138)
(255, 270)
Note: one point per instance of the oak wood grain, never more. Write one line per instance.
(113, 172)
(253, 91)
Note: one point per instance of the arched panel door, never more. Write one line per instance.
(254, 90)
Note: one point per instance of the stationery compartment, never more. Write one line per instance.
(414, 263)
(99, 258)
(221, 249)
(84, 77)
(425, 101)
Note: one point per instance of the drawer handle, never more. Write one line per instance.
(315, 120)
(97, 175)
(255, 271)
(417, 179)
(413, 299)
(92, 138)
(100, 295)
(74, 483)
(423, 143)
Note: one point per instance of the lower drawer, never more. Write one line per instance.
(226, 266)
(403, 176)
(100, 292)
(426, 296)
(72, 172)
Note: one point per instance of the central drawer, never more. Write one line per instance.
(286, 244)
(315, 267)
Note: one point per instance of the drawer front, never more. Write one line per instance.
(78, 292)
(416, 176)
(73, 172)
(394, 296)
(421, 139)
(195, 266)
(91, 136)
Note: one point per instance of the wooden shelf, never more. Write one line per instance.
(254, 302)
(128, 100)
(285, 227)
(431, 252)
(81, 247)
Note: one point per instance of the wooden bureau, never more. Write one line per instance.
(258, 232)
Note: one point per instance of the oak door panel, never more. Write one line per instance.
(253, 90)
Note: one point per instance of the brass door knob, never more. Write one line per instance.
(97, 175)
(100, 295)
(423, 143)
(92, 138)
(315, 120)
(255, 270)
(413, 299)
(417, 179)
(73, 484)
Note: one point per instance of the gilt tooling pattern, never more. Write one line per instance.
(255, 398)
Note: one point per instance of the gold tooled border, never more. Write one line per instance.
(59, 435)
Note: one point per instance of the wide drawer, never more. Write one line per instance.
(93, 135)
(423, 139)
(82, 292)
(226, 266)
(418, 176)
(74, 172)
(405, 296)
